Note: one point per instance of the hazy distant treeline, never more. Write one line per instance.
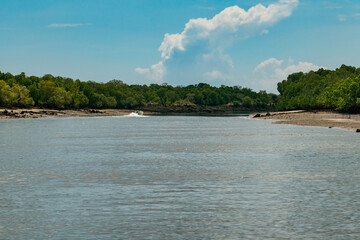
(324, 89)
(65, 93)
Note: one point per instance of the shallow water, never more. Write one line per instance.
(172, 177)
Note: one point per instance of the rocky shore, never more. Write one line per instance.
(190, 108)
(40, 113)
(314, 118)
(183, 109)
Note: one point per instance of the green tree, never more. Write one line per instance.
(60, 98)
(79, 100)
(5, 94)
(20, 96)
(46, 91)
(247, 102)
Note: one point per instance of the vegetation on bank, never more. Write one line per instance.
(65, 93)
(324, 89)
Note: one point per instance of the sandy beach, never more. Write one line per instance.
(313, 118)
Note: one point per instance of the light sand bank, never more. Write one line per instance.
(314, 118)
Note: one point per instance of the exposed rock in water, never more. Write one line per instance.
(257, 115)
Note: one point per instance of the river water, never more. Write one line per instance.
(177, 177)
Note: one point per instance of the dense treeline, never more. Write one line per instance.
(324, 89)
(65, 93)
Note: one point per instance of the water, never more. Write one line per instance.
(174, 177)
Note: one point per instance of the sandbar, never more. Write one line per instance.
(313, 118)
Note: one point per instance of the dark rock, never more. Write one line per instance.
(94, 111)
(7, 113)
(268, 114)
(330, 127)
(358, 130)
(257, 115)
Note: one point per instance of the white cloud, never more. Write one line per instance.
(272, 71)
(270, 61)
(213, 75)
(205, 8)
(300, 67)
(155, 73)
(171, 42)
(229, 22)
(199, 47)
(332, 5)
(142, 70)
(344, 18)
(341, 17)
(265, 31)
(64, 25)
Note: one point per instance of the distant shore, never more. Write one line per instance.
(313, 118)
(300, 117)
(41, 113)
(191, 109)
(172, 110)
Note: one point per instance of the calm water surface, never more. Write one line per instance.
(176, 177)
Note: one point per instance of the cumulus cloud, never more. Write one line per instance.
(270, 61)
(300, 67)
(272, 71)
(199, 47)
(64, 25)
(155, 73)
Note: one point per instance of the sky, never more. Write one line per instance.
(253, 44)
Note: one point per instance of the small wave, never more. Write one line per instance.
(133, 114)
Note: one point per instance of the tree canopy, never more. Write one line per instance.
(65, 93)
(323, 89)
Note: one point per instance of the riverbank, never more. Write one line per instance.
(194, 109)
(300, 117)
(41, 113)
(186, 109)
(313, 118)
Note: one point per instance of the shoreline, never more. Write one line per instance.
(6, 113)
(44, 113)
(327, 119)
(150, 109)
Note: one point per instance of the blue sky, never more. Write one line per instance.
(237, 42)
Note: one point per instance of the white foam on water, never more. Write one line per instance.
(134, 114)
